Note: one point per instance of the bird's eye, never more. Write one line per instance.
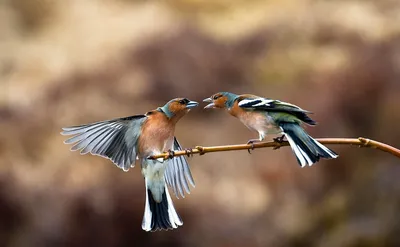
(216, 96)
(183, 101)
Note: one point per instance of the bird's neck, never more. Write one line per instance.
(235, 110)
(231, 100)
(173, 118)
(176, 117)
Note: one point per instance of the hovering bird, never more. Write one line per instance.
(125, 140)
(268, 116)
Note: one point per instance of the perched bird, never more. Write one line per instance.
(268, 116)
(125, 140)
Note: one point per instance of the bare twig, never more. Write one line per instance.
(361, 142)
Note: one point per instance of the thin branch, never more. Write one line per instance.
(361, 142)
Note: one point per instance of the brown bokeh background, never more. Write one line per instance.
(71, 62)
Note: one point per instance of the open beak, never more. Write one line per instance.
(211, 105)
(191, 104)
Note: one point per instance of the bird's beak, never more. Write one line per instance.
(211, 105)
(191, 104)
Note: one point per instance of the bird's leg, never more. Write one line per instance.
(189, 152)
(251, 141)
(279, 139)
(171, 154)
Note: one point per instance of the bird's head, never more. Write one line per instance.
(220, 100)
(177, 108)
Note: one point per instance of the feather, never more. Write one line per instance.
(270, 105)
(177, 173)
(113, 139)
(307, 150)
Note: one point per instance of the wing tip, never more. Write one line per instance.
(64, 132)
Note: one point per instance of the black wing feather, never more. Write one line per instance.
(263, 104)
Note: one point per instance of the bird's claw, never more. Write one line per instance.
(189, 152)
(171, 154)
(278, 146)
(252, 145)
(279, 139)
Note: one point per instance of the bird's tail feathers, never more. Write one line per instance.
(307, 150)
(160, 215)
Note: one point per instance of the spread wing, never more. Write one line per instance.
(177, 173)
(112, 139)
(270, 105)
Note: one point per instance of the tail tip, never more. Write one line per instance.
(160, 216)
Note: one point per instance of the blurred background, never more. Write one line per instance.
(70, 62)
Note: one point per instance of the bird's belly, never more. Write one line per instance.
(261, 123)
(154, 170)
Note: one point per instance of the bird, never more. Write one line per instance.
(128, 139)
(269, 116)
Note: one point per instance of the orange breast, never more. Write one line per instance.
(157, 135)
(237, 111)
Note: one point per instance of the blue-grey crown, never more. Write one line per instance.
(231, 98)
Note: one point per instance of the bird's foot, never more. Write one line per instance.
(252, 141)
(171, 154)
(189, 152)
(279, 139)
